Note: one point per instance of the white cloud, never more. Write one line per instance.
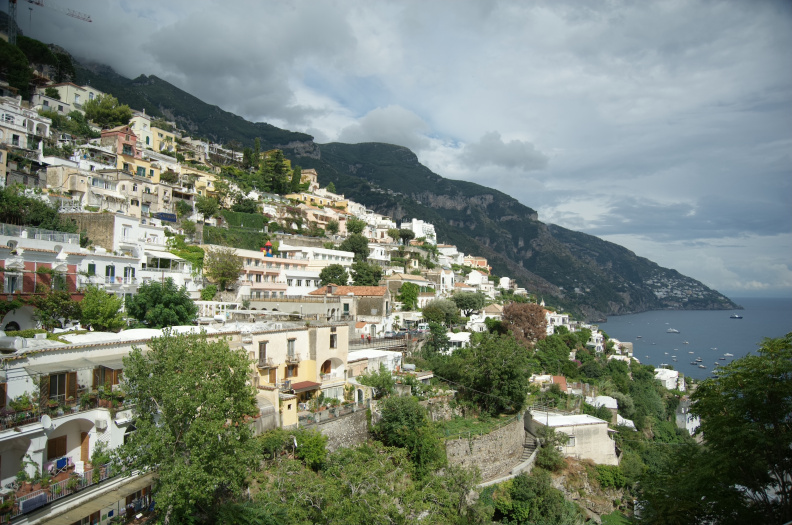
(492, 150)
(392, 124)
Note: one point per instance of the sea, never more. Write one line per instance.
(708, 334)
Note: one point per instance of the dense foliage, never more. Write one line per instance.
(101, 310)
(193, 402)
(157, 305)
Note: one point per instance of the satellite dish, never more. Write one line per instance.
(46, 422)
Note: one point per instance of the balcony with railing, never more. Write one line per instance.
(44, 495)
(293, 358)
(265, 362)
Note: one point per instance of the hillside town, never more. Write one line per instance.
(143, 266)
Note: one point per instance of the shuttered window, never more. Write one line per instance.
(56, 448)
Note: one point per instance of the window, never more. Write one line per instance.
(126, 150)
(90, 96)
(570, 441)
(262, 351)
(126, 166)
(56, 448)
(15, 140)
(299, 282)
(46, 103)
(109, 274)
(258, 277)
(141, 171)
(60, 108)
(291, 371)
(13, 283)
(147, 139)
(290, 345)
(289, 282)
(333, 340)
(107, 377)
(151, 173)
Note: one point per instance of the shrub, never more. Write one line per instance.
(610, 476)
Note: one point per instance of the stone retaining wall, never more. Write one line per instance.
(495, 454)
(345, 431)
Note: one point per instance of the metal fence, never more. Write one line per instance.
(28, 232)
(61, 489)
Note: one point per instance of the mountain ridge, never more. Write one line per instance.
(573, 270)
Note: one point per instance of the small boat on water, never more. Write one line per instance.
(702, 366)
(685, 343)
(690, 352)
(638, 336)
(728, 354)
(722, 358)
(735, 316)
(698, 359)
(672, 331)
(693, 363)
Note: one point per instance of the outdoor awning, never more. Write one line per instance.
(304, 386)
(114, 363)
(163, 255)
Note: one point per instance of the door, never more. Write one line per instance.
(273, 376)
(84, 447)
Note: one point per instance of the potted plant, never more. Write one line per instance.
(74, 483)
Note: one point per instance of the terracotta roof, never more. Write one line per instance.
(379, 291)
(561, 382)
(302, 386)
(360, 324)
(462, 285)
(493, 308)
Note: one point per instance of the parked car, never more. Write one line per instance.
(390, 334)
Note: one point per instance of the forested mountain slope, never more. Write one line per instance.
(573, 270)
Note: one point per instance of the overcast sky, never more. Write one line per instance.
(663, 126)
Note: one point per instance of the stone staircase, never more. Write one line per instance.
(529, 445)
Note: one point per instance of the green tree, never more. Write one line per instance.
(393, 233)
(365, 274)
(331, 188)
(381, 381)
(192, 402)
(162, 304)
(436, 342)
(183, 208)
(105, 111)
(55, 306)
(65, 71)
(334, 274)
(355, 226)
(222, 266)
(208, 292)
(408, 295)
(469, 302)
(495, 374)
(14, 67)
(356, 244)
(442, 311)
(531, 498)
(745, 422)
(406, 236)
(332, 227)
(52, 93)
(404, 423)
(276, 173)
(17, 207)
(294, 185)
(101, 310)
(206, 206)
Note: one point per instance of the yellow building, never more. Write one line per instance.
(315, 200)
(163, 140)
